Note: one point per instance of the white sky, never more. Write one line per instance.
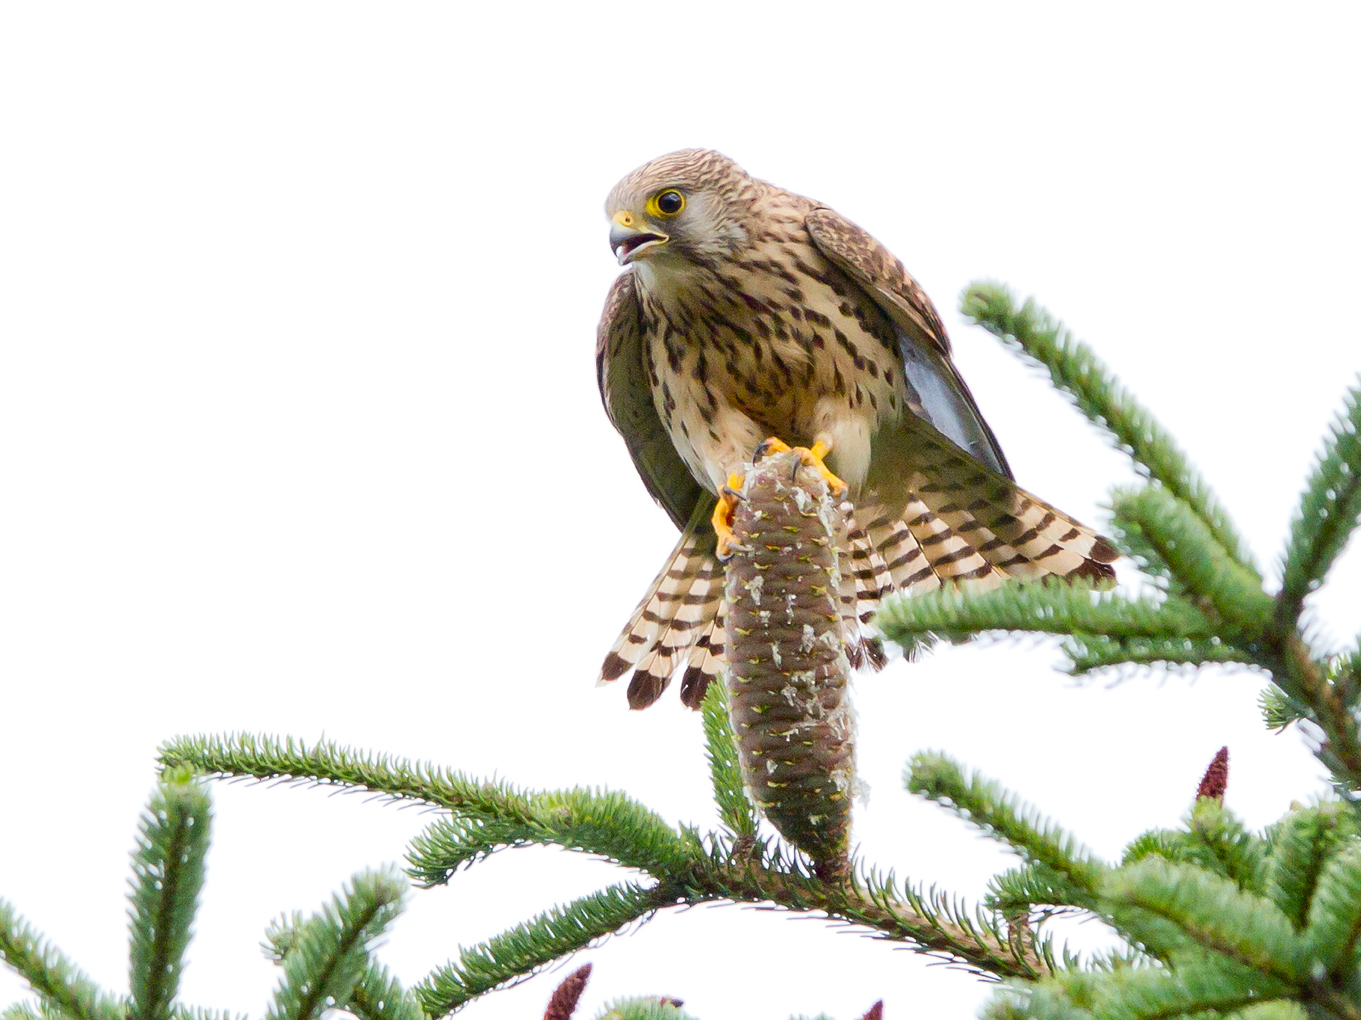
(299, 431)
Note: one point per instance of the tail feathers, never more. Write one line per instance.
(698, 608)
(707, 659)
(965, 525)
(1018, 535)
(658, 607)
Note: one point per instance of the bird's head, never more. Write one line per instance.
(691, 206)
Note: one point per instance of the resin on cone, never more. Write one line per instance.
(788, 667)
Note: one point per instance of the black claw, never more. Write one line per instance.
(762, 449)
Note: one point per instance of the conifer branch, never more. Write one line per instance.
(380, 996)
(1004, 816)
(1047, 607)
(1036, 887)
(167, 869)
(376, 996)
(1330, 705)
(735, 809)
(50, 974)
(1089, 652)
(1196, 556)
(1334, 924)
(326, 763)
(328, 955)
(1201, 989)
(604, 823)
(520, 952)
(1215, 840)
(930, 922)
(1328, 512)
(1302, 844)
(645, 1009)
(1100, 396)
(1169, 906)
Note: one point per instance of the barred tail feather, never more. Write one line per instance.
(707, 659)
(698, 607)
(960, 523)
(989, 528)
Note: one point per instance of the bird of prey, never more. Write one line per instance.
(746, 312)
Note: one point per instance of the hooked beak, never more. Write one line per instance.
(627, 241)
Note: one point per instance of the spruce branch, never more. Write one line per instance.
(1199, 559)
(1213, 839)
(1201, 989)
(1035, 887)
(58, 981)
(167, 877)
(1334, 924)
(377, 995)
(725, 770)
(1087, 653)
(1046, 607)
(326, 763)
(1003, 815)
(1171, 907)
(603, 823)
(644, 1009)
(928, 921)
(1328, 512)
(520, 952)
(328, 956)
(1302, 843)
(1099, 395)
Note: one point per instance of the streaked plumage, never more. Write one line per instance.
(752, 312)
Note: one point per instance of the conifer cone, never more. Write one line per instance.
(788, 665)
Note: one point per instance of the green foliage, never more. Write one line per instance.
(518, 953)
(604, 823)
(1198, 560)
(324, 959)
(1216, 920)
(1003, 816)
(1047, 607)
(1328, 512)
(644, 1009)
(61, 986)
(725, 770)
(167, 875)
(1301, 845)
(1076, 370)
(328, 954)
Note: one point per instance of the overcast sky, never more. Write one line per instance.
(299, 431)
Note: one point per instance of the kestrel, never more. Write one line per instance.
(745, 312)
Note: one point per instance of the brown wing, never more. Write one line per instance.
(627, 397)
(678, 620)
(943, 396)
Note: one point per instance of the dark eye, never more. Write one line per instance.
(669, 203)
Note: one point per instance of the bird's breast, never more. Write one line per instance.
(781, 338)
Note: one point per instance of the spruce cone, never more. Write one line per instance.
(787, 658)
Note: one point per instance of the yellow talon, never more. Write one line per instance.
(811, 457)
(722, 519)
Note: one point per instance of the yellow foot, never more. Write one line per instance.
(722, 519)
(810, 457)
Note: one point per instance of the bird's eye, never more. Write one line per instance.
(668, 203)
